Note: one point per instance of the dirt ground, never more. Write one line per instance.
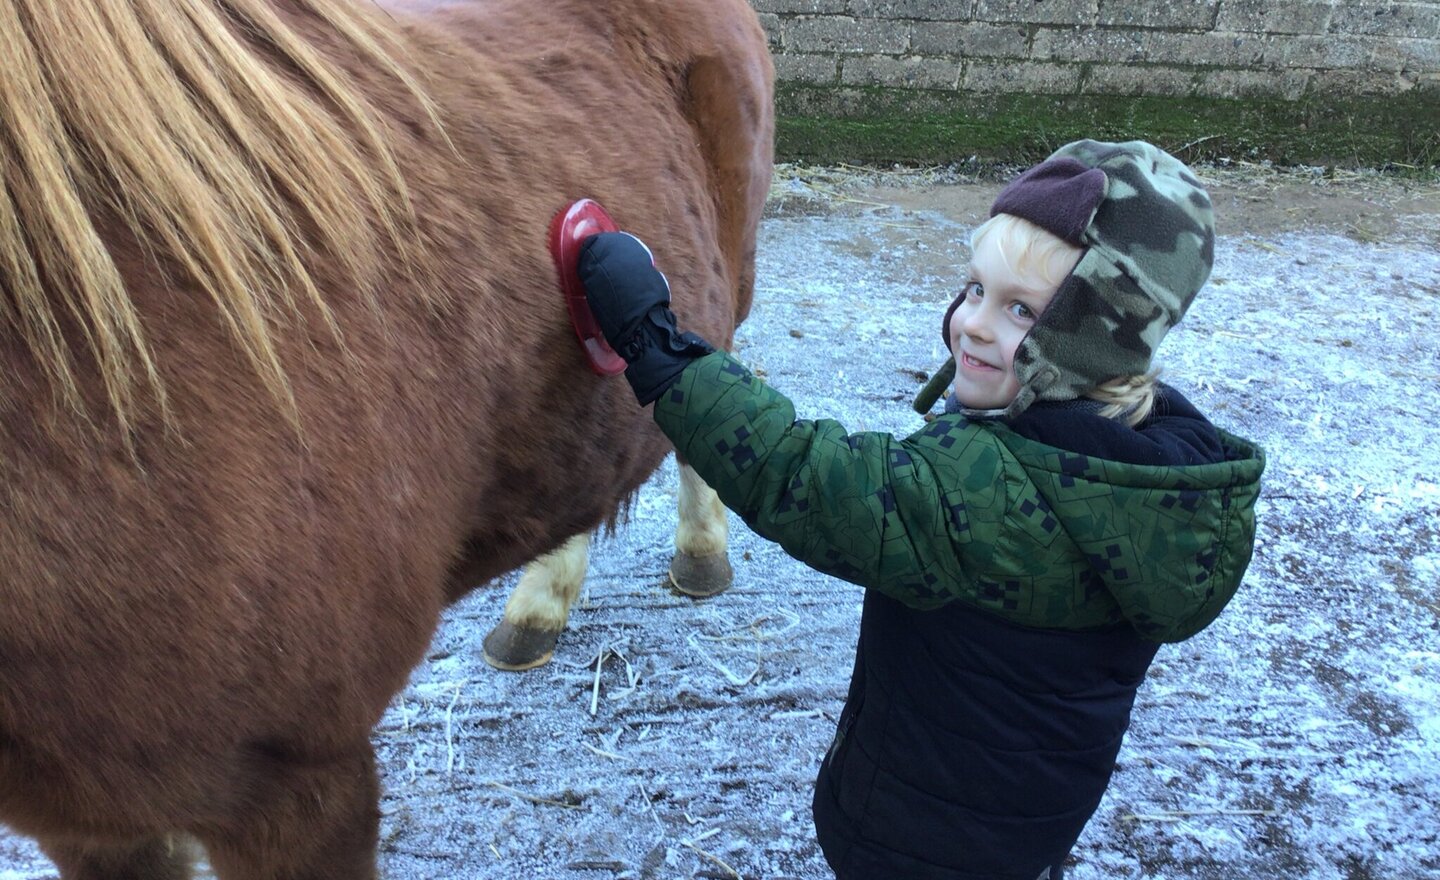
(1255, 200)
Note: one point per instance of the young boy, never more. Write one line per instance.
(1024, 554)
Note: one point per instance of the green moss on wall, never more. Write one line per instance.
(880, 125)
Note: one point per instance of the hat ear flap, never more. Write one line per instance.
(950, 313)
(1023, 398)
(935, 387)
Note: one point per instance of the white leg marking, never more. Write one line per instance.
(549, 586)
(704, 528)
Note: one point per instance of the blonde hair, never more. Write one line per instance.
(1040, 257)
(1028, 251)
(228, 145)
(1130, 399)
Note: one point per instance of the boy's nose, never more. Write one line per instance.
(973, 323)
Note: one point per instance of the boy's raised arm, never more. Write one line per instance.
(863, 507)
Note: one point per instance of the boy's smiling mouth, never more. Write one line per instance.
(974, 363)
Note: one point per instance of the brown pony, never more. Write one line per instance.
(284, 368)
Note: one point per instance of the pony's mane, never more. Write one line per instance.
(229, 145)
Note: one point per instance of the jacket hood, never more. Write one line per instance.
(1170, 545)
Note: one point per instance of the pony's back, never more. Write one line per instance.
(283, 349)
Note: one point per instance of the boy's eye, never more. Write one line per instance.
(974, 290)
(1020, 310)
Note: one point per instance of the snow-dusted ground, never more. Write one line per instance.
(1298, 737)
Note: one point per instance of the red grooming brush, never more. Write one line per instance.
(570, 227)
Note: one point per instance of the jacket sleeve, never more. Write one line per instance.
(866, 507)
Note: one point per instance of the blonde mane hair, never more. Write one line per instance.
(230, 148)
(1044, 259)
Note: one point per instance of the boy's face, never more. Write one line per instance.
(999, 308)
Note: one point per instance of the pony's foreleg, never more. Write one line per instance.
(537, 610)
(155, 858)
(700, 567)
(305, 818)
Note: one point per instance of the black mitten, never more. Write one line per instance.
(630, 299)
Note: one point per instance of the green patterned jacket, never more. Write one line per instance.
(973, 512)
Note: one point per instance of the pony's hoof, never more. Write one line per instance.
(701, 576)
(515, 648)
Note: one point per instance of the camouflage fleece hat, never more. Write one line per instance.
(1148, 232)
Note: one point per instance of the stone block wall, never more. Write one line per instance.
(1275, 49)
